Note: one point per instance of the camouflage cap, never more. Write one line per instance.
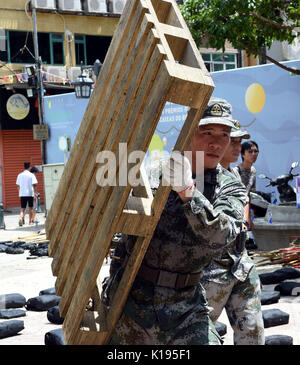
(237, 132)
(218, 111)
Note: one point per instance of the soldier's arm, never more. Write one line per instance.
(218, 223)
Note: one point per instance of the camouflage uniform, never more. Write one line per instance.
(231, 281)
(185, 240)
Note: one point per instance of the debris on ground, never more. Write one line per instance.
(53, 315)
(284, 256)
(37, 244)
(42, 302)
(12, 300)
(277, 276)
(269, 297)
(288, 288)
(274, 317)
(54, 337)
(11, 328)
(11, 313)
(279, 340)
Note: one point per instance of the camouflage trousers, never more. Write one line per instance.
(129, 332)
(242, 304)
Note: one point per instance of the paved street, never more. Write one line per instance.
(19, 274)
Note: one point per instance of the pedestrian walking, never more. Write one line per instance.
(26, 184)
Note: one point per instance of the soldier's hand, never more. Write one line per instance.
(177, 173)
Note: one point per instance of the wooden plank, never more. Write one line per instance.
(94, 191)
(118, 53)
(128, 277)
(136, 205)
(142, 244)
(193, 118)
(143, 190)
(139, 78)
(135, 224)
(94, 103)
(145, 89)
(122, 98)
(148, 121)
(117, 99)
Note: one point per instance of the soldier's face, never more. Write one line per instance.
(233, 150)
(212, 139)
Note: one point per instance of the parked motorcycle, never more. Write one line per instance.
(287, 193)
(259, 202)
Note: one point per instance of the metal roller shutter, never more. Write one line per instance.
(18, 146)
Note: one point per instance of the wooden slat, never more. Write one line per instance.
(152, 60)
(142, 244)
(118, 197)
(76, 219)
(96, 193)
(135, 224)
(86, 133)
(143, 190)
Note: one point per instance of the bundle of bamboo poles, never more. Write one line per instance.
(285, 256)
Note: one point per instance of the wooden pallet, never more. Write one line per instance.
(152, 59)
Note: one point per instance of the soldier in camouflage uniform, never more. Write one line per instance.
(166, 304)
(231, 280)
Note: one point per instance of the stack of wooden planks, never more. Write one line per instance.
(152, 59)
(35, 238)
(285, 256)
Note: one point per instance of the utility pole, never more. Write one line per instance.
(40, 88)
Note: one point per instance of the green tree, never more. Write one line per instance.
(251, 25)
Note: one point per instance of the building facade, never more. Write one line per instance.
(63, 35)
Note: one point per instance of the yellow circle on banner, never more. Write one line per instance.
(156, 145)
(17, 106)
(255, 98)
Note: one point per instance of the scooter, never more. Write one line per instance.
(287, 193)
(259, 202)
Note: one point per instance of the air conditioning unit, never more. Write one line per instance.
(73, 73)
(70, 5)
(95, 6)
(52, 73)
(44, 4)
(116, 6)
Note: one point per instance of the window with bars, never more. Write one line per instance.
(219, 61)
